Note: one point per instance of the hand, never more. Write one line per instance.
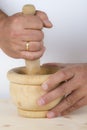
(17, 29)
(69, 81)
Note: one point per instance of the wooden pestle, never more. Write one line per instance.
(32, 66)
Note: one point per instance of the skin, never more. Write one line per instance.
(17, 29)
(69, 81)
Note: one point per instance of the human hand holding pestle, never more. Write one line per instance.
(32, 66)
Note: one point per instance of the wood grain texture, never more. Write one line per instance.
(10, 120)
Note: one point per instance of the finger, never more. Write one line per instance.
(32, 22)
(32, 55)
(43, 16)
(82, 102)
(66, 103)
(60, 91)
(67, 87)
(36, 46)
(31, 35)
(55, 79)
(33, 46)
(59, 65)
(49, 97)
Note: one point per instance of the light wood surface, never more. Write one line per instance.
(10, 120)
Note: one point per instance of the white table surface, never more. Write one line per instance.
(10, 120)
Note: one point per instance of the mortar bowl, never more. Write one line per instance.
(26, 89)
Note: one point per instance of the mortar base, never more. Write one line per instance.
(32, 114)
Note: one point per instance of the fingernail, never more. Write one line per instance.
(44, 86)
(50, 114)
(41, 102)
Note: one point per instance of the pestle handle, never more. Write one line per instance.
(33, 67)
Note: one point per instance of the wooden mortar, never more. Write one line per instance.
(26, 89)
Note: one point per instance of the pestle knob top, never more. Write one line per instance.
(29, 9)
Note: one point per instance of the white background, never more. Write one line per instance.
(65, 42)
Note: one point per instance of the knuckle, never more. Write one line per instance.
(63, 74)
(77, 105)
(35, 22)
(15, 21)
(42, 14)
(62, 90)
(14, 29)
(35, 46)
(14, 34)
(69, 100)
(39, 24)
(41, 35)
(36, 35)
(39, 45)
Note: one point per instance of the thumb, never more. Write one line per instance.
(44, 18)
